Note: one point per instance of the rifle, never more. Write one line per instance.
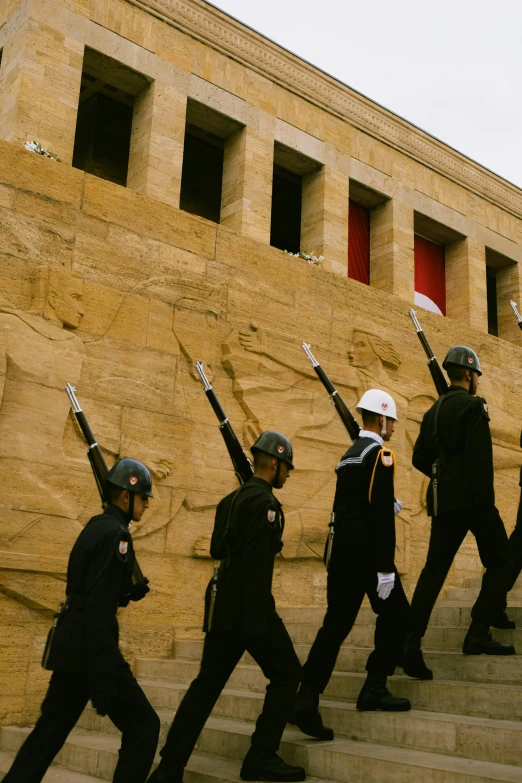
(240, 461)
(100, 470)
(434, 367)
(348, 419)
(517, 314)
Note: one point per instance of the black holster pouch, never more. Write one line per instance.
(449, 483)
(447, 487)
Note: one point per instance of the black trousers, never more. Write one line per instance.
(347, 584)
(273, 652)
(66, 698)
(447, 534)
(515, 545)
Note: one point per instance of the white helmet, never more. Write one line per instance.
(377, 401)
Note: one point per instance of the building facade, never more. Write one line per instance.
(192, 153)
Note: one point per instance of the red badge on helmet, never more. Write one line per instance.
(384, 405)
(470, 359)
(280, 449)
(133, 480)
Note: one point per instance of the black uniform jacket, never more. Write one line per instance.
(99, 579)
(254, 522)
(465, 442)
(364, 506)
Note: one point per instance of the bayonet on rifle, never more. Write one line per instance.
(96, 458)
(434, 367)
(330, 541)
(240, 461)
(517, 314)
(348, 419)
(100, 470)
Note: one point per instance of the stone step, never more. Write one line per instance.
(499, 701)
(478, 738)
(95, 748)
(336, 758)
(447, 665)
(436, 639)
(55, 775)
(476, 581)
(343, 760)
(446, 613)
(469, 594)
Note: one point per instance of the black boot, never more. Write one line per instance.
(269, 766)
(501, 620)
(162, 774)
(413, 660)
(306, 715)
(376, 696)
(479, 641)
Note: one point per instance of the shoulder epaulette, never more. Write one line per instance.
(387, 457)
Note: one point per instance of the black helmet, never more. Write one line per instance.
(275, 444)
(132, 475)
(462, 357)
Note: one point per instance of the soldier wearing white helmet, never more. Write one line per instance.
(361, 563)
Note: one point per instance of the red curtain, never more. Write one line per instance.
(430, 275)
(359, 243)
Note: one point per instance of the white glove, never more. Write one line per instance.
(397, 506)
(385, 584)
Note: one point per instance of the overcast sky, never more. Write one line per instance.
(452, 67)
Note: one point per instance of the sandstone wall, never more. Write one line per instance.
(118, 292)
(158, 289)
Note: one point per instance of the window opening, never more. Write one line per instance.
(491, 282)
(105, 111)
(287, 195)
(202, 174)
(206, 134)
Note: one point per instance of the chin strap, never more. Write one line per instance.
(383, 430)
(130, 512)
(278, 473)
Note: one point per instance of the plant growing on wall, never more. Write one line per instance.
(313, 260)
(35, 146)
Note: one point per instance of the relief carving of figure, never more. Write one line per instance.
(39, 354)
(150, 404)
(277, 387)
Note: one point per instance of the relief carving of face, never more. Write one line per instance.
(195, 325)
(361, 353)
(65, 297)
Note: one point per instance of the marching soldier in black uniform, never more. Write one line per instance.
(82, 648)
(361, 562)
(240, 615)
(454, 449)
(501, 619)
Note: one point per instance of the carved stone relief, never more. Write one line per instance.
(39, 354)
(137, 382)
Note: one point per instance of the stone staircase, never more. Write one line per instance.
(466, 725)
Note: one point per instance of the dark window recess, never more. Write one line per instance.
(201, 178)
(102, 142)
(491, 281)
(285, 226)
(1, 54)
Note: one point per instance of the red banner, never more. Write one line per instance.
(430, 275)
(359, 243)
